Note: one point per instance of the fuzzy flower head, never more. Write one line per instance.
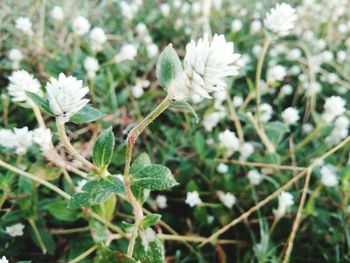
(161, 201)
(81, 26)
(290, 116)
(21, 82)
(285, 201)
(24, 24)
(280, 20)
(328, 175)
(229, 141)
(227, 199)
(98, 38)
(91, 66)
(57, 13)
(15, 55)
(207, 64)
(43, 137)
(334, 106)
(127, 52)
(193, 199)
(255, 178)
(15, 230)
(19, 139)
(66, 96)
(4, 260)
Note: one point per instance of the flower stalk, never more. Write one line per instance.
(132, 137)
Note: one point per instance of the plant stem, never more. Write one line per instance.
(258, 76)
(35, 178)
(234, 117)
(64, 139)
(69, 231)
(38, 116)
(132, 137)
(84, 254)
(297, 218)
(37, 235)
(309, 138)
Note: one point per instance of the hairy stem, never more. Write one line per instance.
(64, 139)
(84, 254)
(37, 235)
(132, 137)
(38, 116)
(258, 76)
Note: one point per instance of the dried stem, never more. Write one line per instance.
(269, 198)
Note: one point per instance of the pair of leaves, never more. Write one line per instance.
(85, 115)
(103, 149)
(96, 191)
(150, 176)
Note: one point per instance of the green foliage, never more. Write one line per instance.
(103, 149)
(152, 252)
(96, 191)
(85, 115)
(150, 220)
(168, 66)
(40, 102)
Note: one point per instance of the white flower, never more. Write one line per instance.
(91, 66)
(222, 168)
(294, 54)
(341, 56)
(65, 96)
(19, 139)
(165, 9)
(290, 115)
(286, 90)
(98, 38)
(193, 199)
(152, 50)
(255, 178)
(229, 140)
(138, 89)
(340, 130)
(334, 106)
(57, 13)
(307, 128)
(161, 201)
(236, 25)
(280, 20)
(81, 26)
(245, 150)
(127, 52)
(276, 73)
(237, 101)
(15, 56)
(328, 175)
(4, 260)
(227, 199)
(21, 82)
(285, 200)
(255, 27)
(42, 137)
(265, 112)
(141, 30)
(15, 230)
(211, 120)
(206, 64)
(25, 25)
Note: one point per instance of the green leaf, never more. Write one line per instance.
(59, 210)
(168, 66)
(104, 255)
(184, 104)
(103, 149)
(40, 102)
(275, 131)
(141, 162)
(86, 114)
(98, 231)
(150, 220)
(153, 252)
(96, 191)
(154, 177)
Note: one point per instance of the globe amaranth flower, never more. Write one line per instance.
(66, 96)
(57, 13)
(98, 38)
(4, 260)
(285, 201)
(334, 106)
(81, 25)
(207, 64)
(20, 83)
(91, 66)
(193, 199)
(15, 230)
(19, 139)
(280, 20)
(24, 24)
